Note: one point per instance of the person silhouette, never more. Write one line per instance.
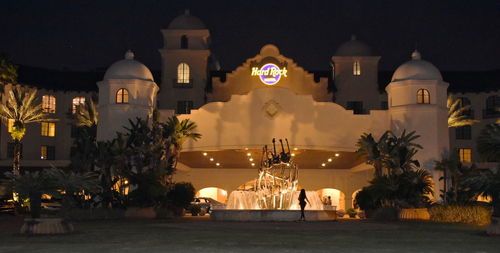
(302, 202)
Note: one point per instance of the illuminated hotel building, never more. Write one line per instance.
(322, 114)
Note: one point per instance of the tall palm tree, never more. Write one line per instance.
(457, 114)
(177, 133)
(22, 108)
(488, 142)
(8, 71)
(86, 114)
(399, 152)
(370, 148)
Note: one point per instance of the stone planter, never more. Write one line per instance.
(46, 226)
(143, 213)
(494, 227)
(414, 214)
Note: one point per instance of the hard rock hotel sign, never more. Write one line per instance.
(269, 73)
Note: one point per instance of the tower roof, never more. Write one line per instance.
(186, 22)
(353, 47)
(128, 68)
(416, 69)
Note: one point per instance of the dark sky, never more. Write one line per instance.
(80, 35)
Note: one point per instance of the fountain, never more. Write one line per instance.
(274, 193)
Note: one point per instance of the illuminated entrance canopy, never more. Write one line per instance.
(269, 74)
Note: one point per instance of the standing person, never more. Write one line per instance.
(302, 203)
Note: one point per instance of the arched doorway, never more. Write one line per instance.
(337, 197)
(214, 193)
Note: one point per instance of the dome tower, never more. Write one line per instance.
(356, 69)
(417, 102)
(127, 91)
(184, 64)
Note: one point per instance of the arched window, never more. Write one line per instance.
(183, 73)
(356, 68)
(184, 42)
(122, 96)
(77, 101)
(49, 104)
(423, 97)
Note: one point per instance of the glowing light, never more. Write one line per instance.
(211, 159)
(293, 154)
(337, 154)
(126, 182)
(205, 154)
(246, 148)
(250, 159)
(249, 154)
(269, 74)
(323, 164)
(217, 164)
(329, 159)
(295, 149)
(253, 164)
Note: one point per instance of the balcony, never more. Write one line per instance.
(187, 85)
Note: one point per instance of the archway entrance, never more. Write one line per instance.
(337, 197)
(214, 193)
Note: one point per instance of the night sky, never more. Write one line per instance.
(84, 35)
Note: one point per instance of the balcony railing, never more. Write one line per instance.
(178, 84)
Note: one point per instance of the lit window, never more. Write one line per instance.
(49, 104)
(47, 153)
(77, 101)
(183, 73)
(356, 68)
(122, 96)
(423, 97)
(48, 129)
(10, 125)
(465, 155)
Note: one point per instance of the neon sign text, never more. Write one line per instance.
(269, 74)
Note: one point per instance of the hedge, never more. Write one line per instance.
(476, 215)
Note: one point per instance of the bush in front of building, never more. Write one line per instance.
(476, 215)
(180, 196)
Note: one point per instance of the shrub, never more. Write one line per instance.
(476, 215)
(181, 195)
(340, 213)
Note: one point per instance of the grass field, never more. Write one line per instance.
(195, 234)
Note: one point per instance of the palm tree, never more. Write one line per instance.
(177, 133)
(488, 142)
(457, 116)
(399, 152)
(22, 109)
(370, 148)
(8, 71)
(86, 115)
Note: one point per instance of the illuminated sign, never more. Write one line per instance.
(269, 74)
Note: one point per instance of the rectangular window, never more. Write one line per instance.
(10, 125)
(49, 104)
(10, 150)
(463, 133)
(356, 106)
(356, 68)
(465, 155)
(48, 129)
(184, 107)
(47, 152)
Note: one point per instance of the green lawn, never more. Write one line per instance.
(192, 234)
